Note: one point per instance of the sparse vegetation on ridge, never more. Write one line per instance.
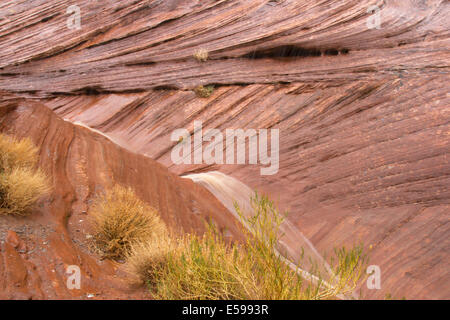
(201, 55)
(204, 91)
(15, 153)
(146, 260)
(120, 220)
(22, 184)
(207, 267)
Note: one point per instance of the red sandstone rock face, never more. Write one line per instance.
(38, 249)
(361, 162)
(364, 134)
(137, 45)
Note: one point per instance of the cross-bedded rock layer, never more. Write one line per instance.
(363, 113)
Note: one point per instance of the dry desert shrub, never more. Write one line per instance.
(20, 190)
(120, 220)
(207, 267)
(146, 260)
(201, 55)
(16, 152)
(204, 91)
(21, 183)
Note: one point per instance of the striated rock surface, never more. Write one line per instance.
(363, 113)
(141, 45)
(365, 161)
(36, 250)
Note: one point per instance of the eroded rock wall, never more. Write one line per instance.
(362, 112)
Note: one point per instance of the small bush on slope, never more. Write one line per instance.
(147, 259)
(120, 219)
(281, 281)
(21, 184)
(204, 91)
(201, 55)
(209, 268)
(16, 153)
(205, 268)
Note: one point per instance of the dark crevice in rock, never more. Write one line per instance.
(46, 19)
(237, 84)
(165, 87)
(292, 51)
(140, 63)
(95, 90)
(89, 91)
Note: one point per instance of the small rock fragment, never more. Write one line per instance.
(13, 239)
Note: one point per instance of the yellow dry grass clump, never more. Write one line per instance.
(207, 267)
(201, 55)
(21, 183)
(17, 153)
(120, 220)
(204, 91)
(145, 260)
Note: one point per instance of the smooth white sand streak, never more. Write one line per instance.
(292, 243)
(81, 124)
